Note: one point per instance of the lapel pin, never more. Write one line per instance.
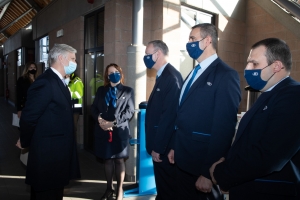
(157, 89)
(265, 108)
(209, 83)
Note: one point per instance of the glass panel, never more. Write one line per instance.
(94, 79)
(44, 50)
(90, 32)
(100, 37)
(19, 61)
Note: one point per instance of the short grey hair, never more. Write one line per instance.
(59, 49)
(207, 29)
(159, 44)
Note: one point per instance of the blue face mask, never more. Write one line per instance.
(149, 61)
(193, 48)
(70, 68)
(114, 77)
(253, 78)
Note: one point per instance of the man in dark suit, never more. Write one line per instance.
(264, 160)
(160, 117)
(206, 117)
(46, 126)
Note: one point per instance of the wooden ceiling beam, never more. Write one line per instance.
(4, 10)
(10, 24)
(34, 5)
(3, 3)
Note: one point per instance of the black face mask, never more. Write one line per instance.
(33, 71)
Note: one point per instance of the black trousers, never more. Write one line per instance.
(53, 194)
(186, 188)
(165, 179)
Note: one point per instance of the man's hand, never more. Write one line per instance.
(106, 125)
(171, 156)
(19, 114)
(155, 157)
(203, 184)
(19, 144)
(212, 169)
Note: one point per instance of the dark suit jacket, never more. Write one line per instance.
(161, 110)
(266, 151)
(22, 87)
(123, 113)
(46, 126)
(206, 119)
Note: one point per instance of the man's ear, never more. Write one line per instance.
(209, 39)
(60, 57)
(278, 66)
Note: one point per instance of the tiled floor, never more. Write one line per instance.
(12, 171)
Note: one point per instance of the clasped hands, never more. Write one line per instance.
(202, 184)
(105, 125)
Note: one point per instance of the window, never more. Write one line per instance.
(19, 57)
(44, 51)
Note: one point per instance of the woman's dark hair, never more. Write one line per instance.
(106, 80)
(25, 73)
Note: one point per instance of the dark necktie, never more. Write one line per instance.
(189, 83)
(111, 95)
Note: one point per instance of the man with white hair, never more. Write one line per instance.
(47, 127)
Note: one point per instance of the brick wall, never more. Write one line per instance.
(117, 33)
(231, 48)
(73, 36)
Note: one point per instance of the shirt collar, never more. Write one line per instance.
(271, 88)
(205, 63)
(57, 72)
(160, 71)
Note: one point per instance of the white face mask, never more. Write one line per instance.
(67, 80)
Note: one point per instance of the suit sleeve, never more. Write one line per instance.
(227, 99)
(277, 145)
(165, 128)
(38, 99)
(127, 113)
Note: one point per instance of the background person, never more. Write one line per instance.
(46, 126)
(112, 109)
(264, 160)
(75, 85)
(160, 117)
(23, 84)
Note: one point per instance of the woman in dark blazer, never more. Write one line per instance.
(23, 83)
(112, 109)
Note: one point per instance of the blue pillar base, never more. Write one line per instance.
(135, 192)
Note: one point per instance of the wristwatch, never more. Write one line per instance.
(115, 123)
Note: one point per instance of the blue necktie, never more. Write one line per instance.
(189, 83)
(111, 95)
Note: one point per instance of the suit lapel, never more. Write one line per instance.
(201, 79)
(260, 102)
(157, 81)
(63, 88)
